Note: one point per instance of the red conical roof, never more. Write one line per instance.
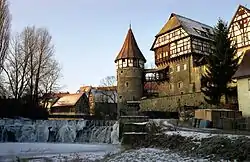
(130, 48)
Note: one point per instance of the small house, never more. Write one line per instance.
(71, 105)
(49, 99)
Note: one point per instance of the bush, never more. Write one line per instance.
(11, 108)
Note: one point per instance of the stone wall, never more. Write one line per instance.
(171, 103)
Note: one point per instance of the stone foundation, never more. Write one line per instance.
(171, 103)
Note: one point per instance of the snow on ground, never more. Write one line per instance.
(200, 135)
(34, 152)
(195, 133)
(150, 155)
(53, 151)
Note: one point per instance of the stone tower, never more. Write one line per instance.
(129, 67)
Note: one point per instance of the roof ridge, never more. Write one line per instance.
(191, 19)
(234, 15)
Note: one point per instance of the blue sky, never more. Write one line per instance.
(88, 34)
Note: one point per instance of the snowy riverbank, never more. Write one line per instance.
(34, 152)
(55, 151)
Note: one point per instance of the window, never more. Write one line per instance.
(185, 66)
(180, 85)
(171, 70)
(126, 84)
(171, 86)
(248, 84)
(121, 71)
(178, 68)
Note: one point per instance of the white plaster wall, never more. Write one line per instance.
(243, 96)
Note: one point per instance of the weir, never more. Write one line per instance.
(59, 131)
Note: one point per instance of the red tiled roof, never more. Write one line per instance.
(130, 48)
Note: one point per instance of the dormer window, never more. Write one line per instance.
(200, 32)
(204, 34)
(207, 29)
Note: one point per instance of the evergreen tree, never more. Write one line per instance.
(221, 65)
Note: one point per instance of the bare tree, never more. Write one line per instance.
(30, 65)
(5, 19)
(49, 83)
(110, 90)
(16, 68)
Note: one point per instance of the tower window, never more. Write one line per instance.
(120, 97)
(185, 66)
(126, 84)
(121, 71)
(171, 86)
(171, 70)
(180, 85)
(248, 84)
(178, 68)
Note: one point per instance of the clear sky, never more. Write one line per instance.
(88, 34)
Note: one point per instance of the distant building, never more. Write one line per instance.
(48, 99)
(71, 105)
(102, 99)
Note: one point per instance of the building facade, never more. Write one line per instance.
(70, 106)
(179, 49)
(243, 84)
(102, 100)
(239, 29)
(181, 46)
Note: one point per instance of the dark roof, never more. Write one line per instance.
(244, 68)
(191, 27)
(188, 25)
(130, 48)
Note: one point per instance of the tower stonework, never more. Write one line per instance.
(130, 67)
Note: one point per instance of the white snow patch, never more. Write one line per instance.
(115, 134)
(142, 123)
(201, 135)
(150, 155)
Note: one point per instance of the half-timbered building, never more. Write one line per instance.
(239, 33)
(181, 45)
(239, 29)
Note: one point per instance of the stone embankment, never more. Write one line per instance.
(213, 147)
